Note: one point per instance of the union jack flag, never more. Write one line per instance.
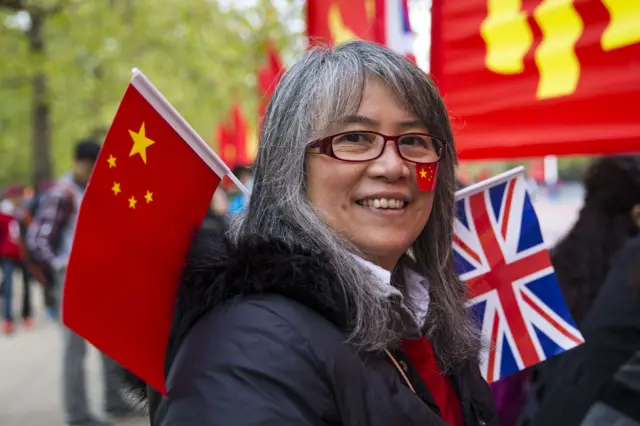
(501, 255)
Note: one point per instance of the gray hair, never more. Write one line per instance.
(324, 86)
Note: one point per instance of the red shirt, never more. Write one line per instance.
(9, 236)
(420, 352)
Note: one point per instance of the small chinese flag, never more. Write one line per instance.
(427, 175)
(150, 190)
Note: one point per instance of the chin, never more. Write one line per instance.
(386, 248)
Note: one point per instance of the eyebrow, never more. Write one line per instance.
(357, 119)
(361, 119)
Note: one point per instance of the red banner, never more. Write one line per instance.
(339, 21)
(537, 77)
(268, 77)
(232, 140)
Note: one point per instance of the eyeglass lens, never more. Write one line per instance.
(362, 146)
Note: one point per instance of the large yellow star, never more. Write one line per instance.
(148, 196)
(112, 161)
(423, 174)
(132, 202)
(140, 143)
(116, 188)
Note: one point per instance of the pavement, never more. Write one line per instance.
(30, 372)
(30, 360)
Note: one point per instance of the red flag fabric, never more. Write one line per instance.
(427, 176)
(149, 192)
(269, 77)
(534, 78)
(232, 138)
(338, 21)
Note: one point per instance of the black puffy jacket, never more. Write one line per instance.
(258, 339)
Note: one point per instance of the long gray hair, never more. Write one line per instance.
(325, 85)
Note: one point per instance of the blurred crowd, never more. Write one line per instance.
(21, 205)
(597, 265)
(36, 233)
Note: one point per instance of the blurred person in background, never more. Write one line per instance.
(335, 300)
(216, 220)
(13, 217)
(606, 222)
(565, 386)
(239, 201)
(43, 274)
(50, 238)
(598, 383)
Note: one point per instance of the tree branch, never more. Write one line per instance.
(18, 5)
(15, 5)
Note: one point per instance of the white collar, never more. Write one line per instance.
(417, 288)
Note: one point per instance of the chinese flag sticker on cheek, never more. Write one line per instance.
(427, 175)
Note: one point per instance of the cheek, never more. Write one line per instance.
(330, 185)
(424, 209)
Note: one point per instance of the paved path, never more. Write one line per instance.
(30, 365)
(30, 359)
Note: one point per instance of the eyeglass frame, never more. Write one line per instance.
(326, 145)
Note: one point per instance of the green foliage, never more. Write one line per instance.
(201, 55)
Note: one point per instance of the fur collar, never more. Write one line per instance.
(217, 270)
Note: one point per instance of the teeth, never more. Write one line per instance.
(382, 203)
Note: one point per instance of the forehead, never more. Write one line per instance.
(376, 105)
(382, 105)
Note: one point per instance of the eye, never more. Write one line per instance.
(417, 141)
(355, 138)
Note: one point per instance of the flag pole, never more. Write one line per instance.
(477, 187)
(180, 125)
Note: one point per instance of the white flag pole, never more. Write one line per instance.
(495, 180)
(180, 125)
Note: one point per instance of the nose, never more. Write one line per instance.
(389, 165)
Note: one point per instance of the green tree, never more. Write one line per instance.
(68, 62)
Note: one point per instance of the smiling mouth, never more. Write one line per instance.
(383, 203)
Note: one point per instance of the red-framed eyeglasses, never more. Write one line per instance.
(357, 146)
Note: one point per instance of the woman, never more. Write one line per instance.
(314, 312)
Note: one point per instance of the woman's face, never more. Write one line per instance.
(342, 190)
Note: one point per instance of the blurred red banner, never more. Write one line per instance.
(338, 21)
(537, 77)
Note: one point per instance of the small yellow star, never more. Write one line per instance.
(423, 173)
(132, 202)
(112, 161)
(149, 197)
(140, 143)
(116, 188)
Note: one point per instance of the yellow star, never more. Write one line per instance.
(423, 174)
(116, 188)
(112, 161)
(132, 202)
(149, 197)
(140, 143)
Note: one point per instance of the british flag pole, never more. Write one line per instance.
(500, 253)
